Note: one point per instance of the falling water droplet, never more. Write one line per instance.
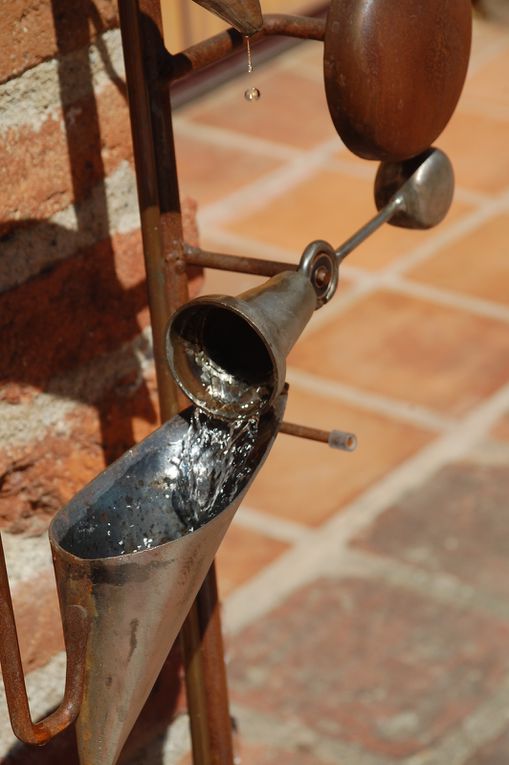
(252, 94)
(249, 57)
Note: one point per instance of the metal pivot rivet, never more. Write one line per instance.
(320, 264)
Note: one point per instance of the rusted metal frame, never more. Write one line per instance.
(201, 636)
(76, 629)
(156, 176)
(218, 47)
(195, 256)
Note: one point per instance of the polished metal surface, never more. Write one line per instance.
(319, 263)
(131, 551)
(421, 188)
(228, 354)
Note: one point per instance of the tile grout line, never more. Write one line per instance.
(373, 402)
(442, 586)
(479, 60)
(311, 557)
(259, 726)
(229, 139)
(256, 195)
(482, 726)
(451, 233)
(271, 526)
(477, 306)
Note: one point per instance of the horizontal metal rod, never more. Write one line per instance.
(194, 256)
(336, 439)
(216, 48)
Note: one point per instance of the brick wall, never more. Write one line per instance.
(76, 375)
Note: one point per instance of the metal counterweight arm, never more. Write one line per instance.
(416, 193)
(12, 670)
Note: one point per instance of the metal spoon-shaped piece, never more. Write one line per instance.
(416, 193)
(421, 187)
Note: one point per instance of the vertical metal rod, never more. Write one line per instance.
(161, 222)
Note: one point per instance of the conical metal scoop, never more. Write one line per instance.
(133, 548)
(244, 15)
(228, 353)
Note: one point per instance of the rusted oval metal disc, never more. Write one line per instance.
(394, 71)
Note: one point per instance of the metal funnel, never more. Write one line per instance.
(133, 548)
(228, 354)
(244, 15)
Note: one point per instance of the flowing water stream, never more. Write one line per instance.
(211, 465)
(168, 492)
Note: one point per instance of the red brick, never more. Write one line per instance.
(38, 478)
(28, 36)
(369, 664)
(38, 620)
(43, 171)
(85, 307)
(456, 522)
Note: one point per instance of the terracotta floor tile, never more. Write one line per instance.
(292, 109)
(271, 755)
(442, 358)
(328, 205)
(455, 522)
(477, 264)
(250, 754)
(501, 429)
(332, 205)
(477, 147)
(243, 553)
(208, 172)
(307, 58)
(487, 89)
(227, 283)
(307, 482)
(371, 664)
(492, 753)
(486, 35)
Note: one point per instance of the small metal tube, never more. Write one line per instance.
(336, 439)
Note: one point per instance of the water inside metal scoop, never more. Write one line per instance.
(174, 482)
